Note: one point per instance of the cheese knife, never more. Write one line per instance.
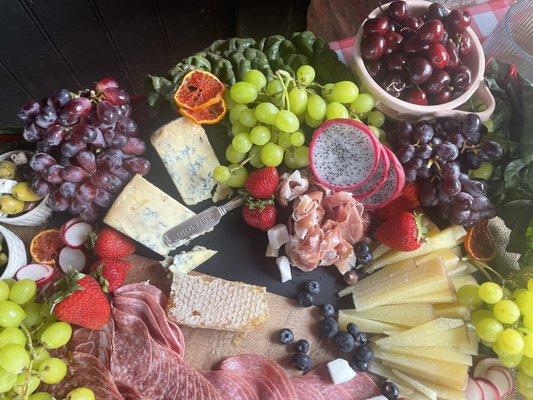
(200, 223)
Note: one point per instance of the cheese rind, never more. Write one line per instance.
(186, 261)
(144, 213)
(188, 157)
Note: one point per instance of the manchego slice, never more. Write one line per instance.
(460, 281)
(448, 256)
(462, 268)
(472, 345)
(433, 353)
(416, 384)
(377, 368)
(452, 310)
(443, 392)
(401, 314)
(367, 325)
(444, 295)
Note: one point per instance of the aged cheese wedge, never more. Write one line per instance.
(400, 314)
(367, 325)
(377, 368)
(188, 157)
(449, 258)
(186, 261)
(460, 281)
(443, 392)
(471, 345)
(202, 301)
(451, 310)
(462, 268)
(416, 384)
(144, 213)
(433, 353)
(443, 295)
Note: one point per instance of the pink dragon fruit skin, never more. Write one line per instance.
(344, 154)
(377, 180)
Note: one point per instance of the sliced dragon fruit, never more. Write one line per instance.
(392, 187)
(344, 154)
(377, 180)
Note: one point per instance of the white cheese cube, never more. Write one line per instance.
(7, 185)
(284, 267)
(380, 397)
(19, 158)
(278, 235)
(340, 371)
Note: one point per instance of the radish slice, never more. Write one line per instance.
(485, 364)
(502, 379)
(72, 259)
(67, 224)
(40, 273)
(76, 234)
(490, 391)
(473, 390)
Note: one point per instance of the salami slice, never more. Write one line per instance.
(143, 287)
(97, 343)
(327, 389)
(228, 385)
(129, 393)
(306, 391)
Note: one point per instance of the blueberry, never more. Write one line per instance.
(328, 310)
(364, 353)
(358, 365)
(329, 327)
(361, 248)
(365, 258)
(302, 346)
(360, 339)
(312, 287)
(390, 391)
(301, 361)
(352, 329)
(286, 336)
(305, 299)
(345, 342)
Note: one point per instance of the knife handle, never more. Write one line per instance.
(232, 204)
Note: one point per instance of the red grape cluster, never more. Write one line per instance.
(416, 59)
(87, 147)
(439, 154)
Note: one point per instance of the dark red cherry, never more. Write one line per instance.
(374, 68)
(378, 25)
(395, 85)
(444, 96)
(414, 45)
(372, 47)
(453, 54)
(461, 77)
(393, 41)
(396, 61)
(419, 70)
(457, 21)
(436, 11)
(417, 96)
(464, 44)
(431, 31)
(445, 36)
(438, 56)
(437, 82)
(413, 23)
(397, 10)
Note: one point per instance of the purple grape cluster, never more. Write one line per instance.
(438, 154)
(87, 147)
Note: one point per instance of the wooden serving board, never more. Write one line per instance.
(205, 348)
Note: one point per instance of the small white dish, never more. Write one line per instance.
(16, 253)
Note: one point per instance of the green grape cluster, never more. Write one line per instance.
(504, 322)
(268, 119)
(27, 332)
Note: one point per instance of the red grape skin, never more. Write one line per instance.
(40, 161)
(116, 96)
(137, 165)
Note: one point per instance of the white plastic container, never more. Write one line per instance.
(404, 110)
(16, 253)
(36, 216)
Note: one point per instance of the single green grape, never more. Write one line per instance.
(376, 118)
(297, 138)
(336, 110)
(53, 370)
(527, 320)
(528, 346)
(12, 335)
(516, 292)
(248, 118)
(288, 159)
(238, 176)
(525, 302)
(284, 140)
(489, 124)
(227, 99)
(344, 92)
(298, 100)
(56, 335)
(489, 329)
(256, 78)
(11, 314)
(272, 154)
(511, 342)
(26, 383)
(305, 75)
(14, 358)
(490, 292)
(81, 393)
(40, 355)
(524, 379)
(326, 92)
(9, 281)
(33, 314)
(4, 290)
(506, 311)
(242, 143)
(316, 107)
(311, 122)
(362, 103)
(483, 172)
(527, 366)
(511, 361)
(274, 88)
(243, 92)
(260, 135)
(266, 113)
(301, 156)
(469, 296)
(22, 291)
(274, 135)
(375, 131)
(255, 157)
(235, 112)
(477, 315)
(286, 121)
(41, 396)
(7, 380)
(221, 173)
(233, 156)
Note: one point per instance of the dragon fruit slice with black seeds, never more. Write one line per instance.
(377, 180)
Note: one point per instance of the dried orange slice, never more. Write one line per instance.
(45, 246)
(479, 242)
(199, 89)
(209, 115)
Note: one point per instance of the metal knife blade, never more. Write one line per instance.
(200, 223)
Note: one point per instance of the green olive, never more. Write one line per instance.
(22, 191)
(8, 170)
(3, 259)
(9, 205)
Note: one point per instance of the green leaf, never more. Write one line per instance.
(511, 175)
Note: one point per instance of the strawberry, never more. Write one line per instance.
(403, 231)
(110, 273)
(80, 301)
(110, 243)
(407, 201)
(260, 214)
(262, 183)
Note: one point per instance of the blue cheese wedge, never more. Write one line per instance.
(188, 157)
(188, 260)
(144, 213)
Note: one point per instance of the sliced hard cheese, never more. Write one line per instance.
(471, 345)
(188, 157)
(144, 213)
(400, 314)
(452, 310)
(449, 258)
(444, 295)
(367, 325)
(202, 301)
(460, 281)
(462, 268)
(186, 261)
(443, 392)
(416, 384)
(433, 353)
(377, 368)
